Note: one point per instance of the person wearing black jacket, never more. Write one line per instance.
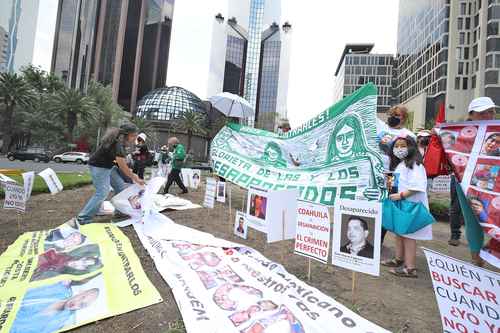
(140, 155)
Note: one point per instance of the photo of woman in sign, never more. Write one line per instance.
(258, 205)
(347, 143)
(80, 261)
(64, 238)
(273, 155)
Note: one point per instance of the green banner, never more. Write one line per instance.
(55, 280)
(334, 155)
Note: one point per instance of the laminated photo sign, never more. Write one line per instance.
(257, 203)
(312, 237)
(221, 191)
(29, 180)
(356, 236)
(210, 193)
(53, 183)
(196, 178)
(14, 197)
(333, 156)
(240, 225)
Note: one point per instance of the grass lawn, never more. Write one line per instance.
(69, 180)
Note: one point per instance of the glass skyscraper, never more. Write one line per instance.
(122, 43)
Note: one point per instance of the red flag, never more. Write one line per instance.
(435, 162)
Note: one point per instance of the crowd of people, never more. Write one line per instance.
(403, 151)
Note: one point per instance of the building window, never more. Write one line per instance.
(467, 23)
(492, 29)
(465, 81)
(491, 77)
(457, 83)
(461, 37)
(466, 53)
(460, 23)
(473, 82)
(489, 61)
(460, 68)
(493, 44)
(463, 8)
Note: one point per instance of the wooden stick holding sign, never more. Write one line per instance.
(309, 269)
(353, 287)
(283, 226)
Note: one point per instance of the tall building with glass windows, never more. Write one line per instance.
(4, 43)
(18, 18)
(357, 67)
(244, 50)
(446, 56)
(122, 43)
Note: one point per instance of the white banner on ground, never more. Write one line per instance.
(356, 235)
(312, 237)
(53, 183)
(28, 181)
(14, 197)
(221, 191)
(222, 287)
(468, 296)
(210, 193)
(441, 184)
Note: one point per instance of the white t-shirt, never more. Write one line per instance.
(383, 129)
(415, 180)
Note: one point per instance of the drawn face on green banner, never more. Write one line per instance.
(347, 140)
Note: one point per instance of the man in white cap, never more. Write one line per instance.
(481, 108)
(140, 155)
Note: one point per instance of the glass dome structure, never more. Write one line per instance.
(168, 103)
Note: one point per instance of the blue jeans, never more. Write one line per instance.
(102, 179)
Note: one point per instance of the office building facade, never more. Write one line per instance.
(446, 53)
(18, 19)
(122, 43)
(4, 43)
(357, 67)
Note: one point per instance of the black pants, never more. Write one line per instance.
(139, 167)
(175, 176)
(456, 218)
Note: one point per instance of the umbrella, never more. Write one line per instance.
(232, 105)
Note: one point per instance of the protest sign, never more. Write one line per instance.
(220, 286)
(334, 155)
(187, 176)
(55, 280)
(28, 181)
(221, 191)
(6, 179)
(240, 225)
(281, 216)
(473, 150)
(356, 236)
(196, 179)
(441, 184)
(257, 209)
(467, 295)
(14, 197)
(312, 237)
(52, 181)
(210, 193)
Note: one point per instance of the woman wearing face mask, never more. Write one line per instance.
(411, 183)
(396, 121)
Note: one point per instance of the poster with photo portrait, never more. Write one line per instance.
(356, 236)
(491, 142)
(221, 191)
(240, 225)
(257, 205)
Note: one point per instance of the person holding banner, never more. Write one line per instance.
(411, 183)
(179, 154)
(104, 172)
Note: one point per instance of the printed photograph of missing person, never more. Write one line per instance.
(486, 177)
(258, 205)
(240, 225)
(221, 189)
(64, 238)
(460, 141)
(50, 308)
(135, 200)
(196, 179)
(80, 261)
(357, 235)
(491, 146)
(281, 321)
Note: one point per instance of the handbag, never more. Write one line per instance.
(405, 217)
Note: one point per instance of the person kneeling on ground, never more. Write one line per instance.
(177, 161)
(104, 172)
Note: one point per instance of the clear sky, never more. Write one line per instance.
(320, 29)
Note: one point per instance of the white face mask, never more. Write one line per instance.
(400, 153)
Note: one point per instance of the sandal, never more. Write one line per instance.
(404, 272)
(394, 262)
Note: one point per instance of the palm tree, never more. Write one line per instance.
(14, 92)
(72, 106)
(191, 123)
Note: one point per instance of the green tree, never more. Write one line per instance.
(72, 106)
(14, 93)
(191, 123)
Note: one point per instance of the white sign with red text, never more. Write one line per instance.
(468, 296)
(14, 197)
(312, 238)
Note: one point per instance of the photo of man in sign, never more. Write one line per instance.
(357, 233)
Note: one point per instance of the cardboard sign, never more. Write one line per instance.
(282, 215)
(221, 191)
(50, 177)
(14, 197)
(29, 180)
(441, 184)
(210, 193)
(186, 175)
(356, 236)
(312, 238)
(257, 209)
(467, 295)
(195, 178)
(5, 179)
(240, 225)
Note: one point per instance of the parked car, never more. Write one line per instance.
(72, 156)
(29, 154)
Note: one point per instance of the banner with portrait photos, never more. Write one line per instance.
(222, 286)
(473, 150)
(334, 155)
(55, 280)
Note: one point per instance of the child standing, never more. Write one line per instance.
(411, 182)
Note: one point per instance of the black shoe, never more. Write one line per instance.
(454, 242)
(184, 192)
